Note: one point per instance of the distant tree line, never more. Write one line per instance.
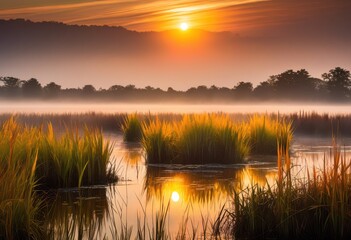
(290, 85)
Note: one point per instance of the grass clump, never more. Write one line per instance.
(73, 159)
(210, 138)
(265, 133)
(32, 158)
(132, 128)
(19, 204)
(316, 207)
(159, 142)
(68, 160)
(196, 139)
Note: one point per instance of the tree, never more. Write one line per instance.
(149, 88)
(11, 82)
(338, 81)
(130, 87)
(171, 90)
(293, 84)
(52, 89)
(116, 88)
(31, 88)
(264, 90)
(243, 89)
(88, 89)
(11, 86)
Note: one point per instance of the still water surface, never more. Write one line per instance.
(196, 192)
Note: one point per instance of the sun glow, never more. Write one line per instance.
(175, 196)
(184, 26)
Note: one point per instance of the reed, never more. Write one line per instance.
(213, 138)
(72, 159)
(69, 160)
(32, 158)
(132, 128)
(210, 138)
(306, 123)
(159, 142)
(265, 132)
(19, 204)
(317, 207)
(196, 139)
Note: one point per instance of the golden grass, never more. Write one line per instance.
(317, 207)
(31, 158)
(213, 138)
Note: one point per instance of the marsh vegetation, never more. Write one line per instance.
(183, 177)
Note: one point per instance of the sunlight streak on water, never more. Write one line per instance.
(193, 191)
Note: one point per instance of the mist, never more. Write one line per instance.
(74, 56)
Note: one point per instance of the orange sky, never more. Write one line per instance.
(268, 37)
(159, 15)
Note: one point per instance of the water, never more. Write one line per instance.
(194, 192)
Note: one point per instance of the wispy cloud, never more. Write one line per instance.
(141, 15)
(158, 15)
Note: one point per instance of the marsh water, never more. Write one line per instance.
(195, 194)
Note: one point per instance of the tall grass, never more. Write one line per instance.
(306, 123)
(18, 202)
(196, 139)
(317, 207)
(213, 138)
(132, 128)
(159, 142)
(33, 158)
(210, 138)
(72, 159)
(68, 160)
(265, 133)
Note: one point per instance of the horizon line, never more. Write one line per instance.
(112, 26)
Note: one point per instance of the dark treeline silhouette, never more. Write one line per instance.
(294, 86)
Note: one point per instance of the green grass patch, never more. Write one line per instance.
(213, 138)
(196, 139)
(265, 132)
(132, 128)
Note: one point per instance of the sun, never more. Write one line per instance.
(184, 26)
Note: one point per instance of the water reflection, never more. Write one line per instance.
(202, 189)
(202, 184)
(79, 213)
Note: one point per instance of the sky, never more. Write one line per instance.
(158, 15)
(266, 37)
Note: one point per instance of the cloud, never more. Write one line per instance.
(142, 15)
(244, 16)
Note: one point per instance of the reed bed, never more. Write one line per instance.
(19, 203)
(196, 139)
(132, 128)
(324, 125)
(303, 123)
(68, 160)
(213, 138)
(265, 133)
(32, 158)
(316, 207)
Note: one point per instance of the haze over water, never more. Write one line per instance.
(57, 108)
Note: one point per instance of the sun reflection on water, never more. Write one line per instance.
(175, 196)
